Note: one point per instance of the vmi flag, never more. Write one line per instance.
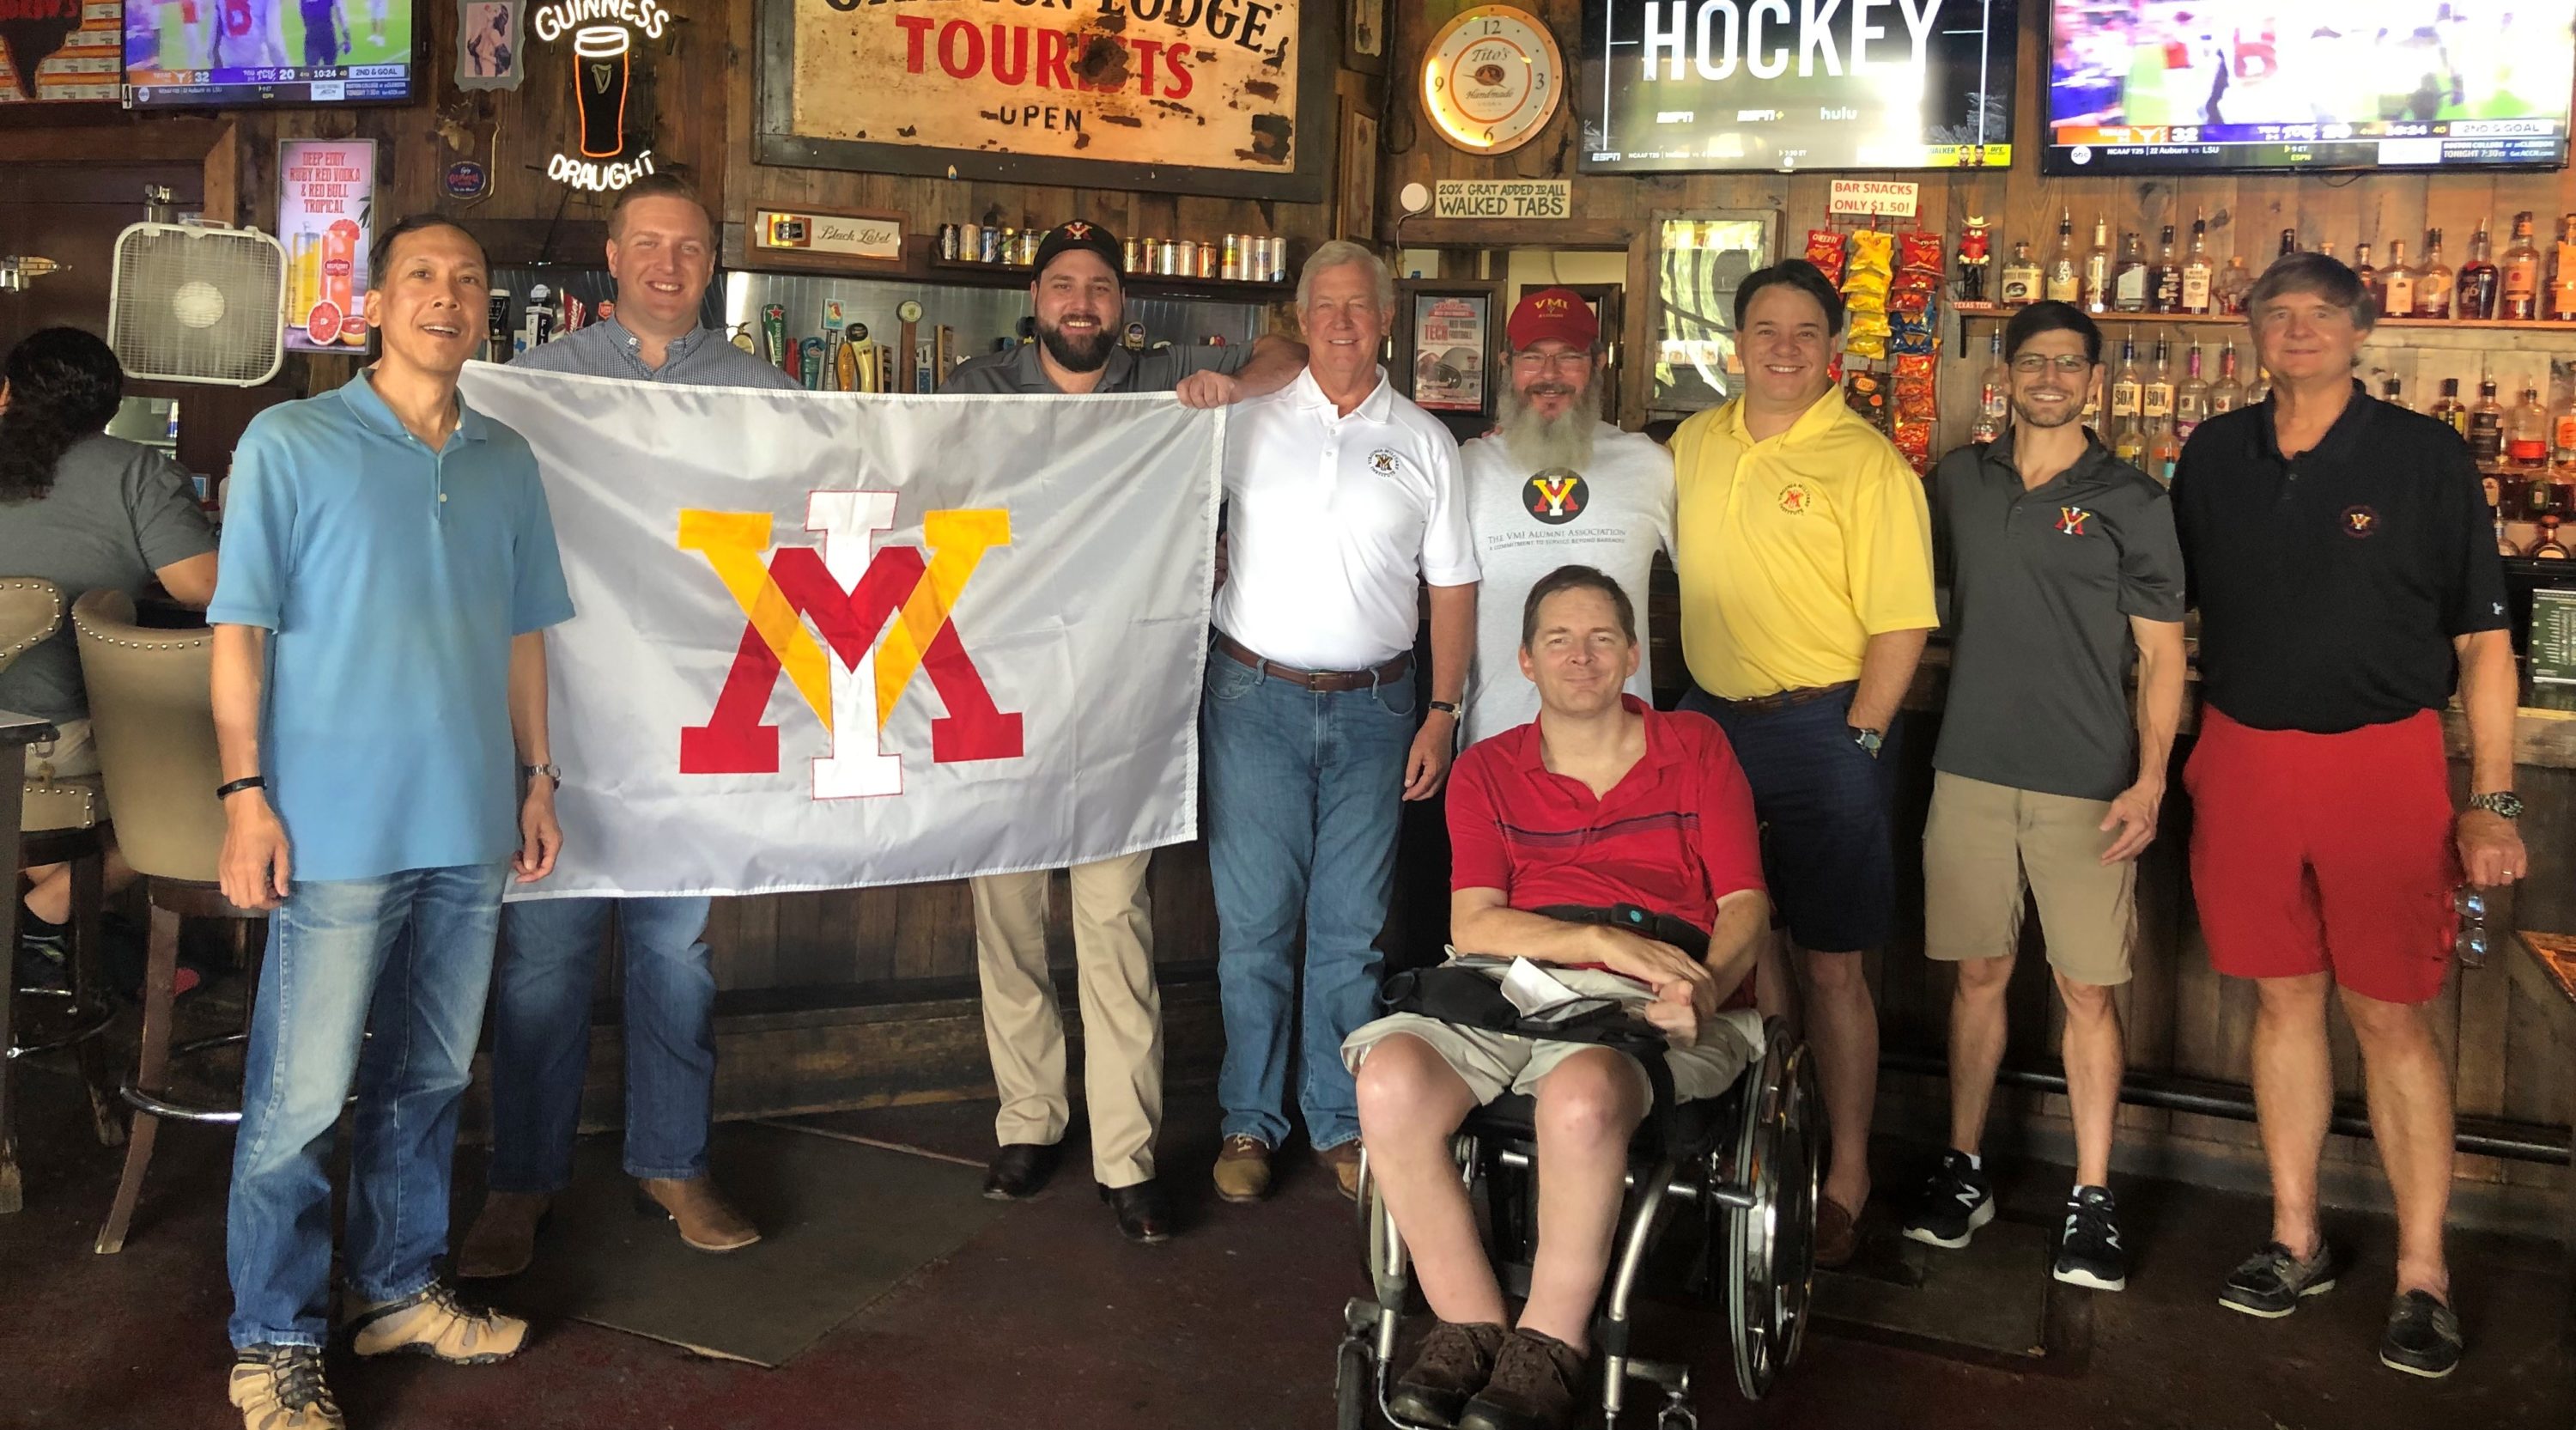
(826, 640)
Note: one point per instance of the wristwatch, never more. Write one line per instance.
(2503, 803)
(552, 772)
(1868, 740)
(1449, 707)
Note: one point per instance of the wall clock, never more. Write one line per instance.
(1492, 79)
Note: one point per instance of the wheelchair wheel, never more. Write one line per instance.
(1771, 1246)
(1354, 1387)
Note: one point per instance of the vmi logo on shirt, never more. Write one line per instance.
(1556, 496)
(1794, 499)
(2360, 522)
(1382, 461)
(892, 621)
(2074, 520)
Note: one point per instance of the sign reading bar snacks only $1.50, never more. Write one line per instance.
(1202, 96)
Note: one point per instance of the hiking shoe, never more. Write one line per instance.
(431, 1322)
(1454, 1363)
(1955, 1201)
(2270, 1282)
(1243, 1169)
(2089, 1251)
(1536, 1385)
(2423, 1337)
(280, 1388)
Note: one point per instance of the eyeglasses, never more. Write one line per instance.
(2470, 944)
(2033, 364)
(1571, 358)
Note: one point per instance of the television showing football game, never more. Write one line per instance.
(1771, 84)
(196, 53)
(2158, 86)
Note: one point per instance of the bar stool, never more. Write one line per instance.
(155, 726)
(61, 822)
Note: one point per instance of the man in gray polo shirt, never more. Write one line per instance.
(661, 249)
(2063, 569)
(1081, 313)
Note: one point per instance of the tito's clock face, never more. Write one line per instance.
(1493, 79)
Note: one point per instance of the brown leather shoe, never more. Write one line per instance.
(1344, 1159)
(504, 1236)
(706, 1222)
(1454, 1363)
(1537, 1385)
(1243, 1169)
(1837, 1236)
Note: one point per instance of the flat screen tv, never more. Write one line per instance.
(201, 53)
(2164, 86)
(1795, 84)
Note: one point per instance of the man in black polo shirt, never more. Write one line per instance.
(2339, 551)
(2064, 573)
(1081, 314)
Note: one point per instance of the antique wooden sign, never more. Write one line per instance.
(1196, 96)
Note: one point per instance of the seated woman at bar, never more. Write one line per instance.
(85, 511)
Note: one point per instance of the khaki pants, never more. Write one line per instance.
(1122, 1012)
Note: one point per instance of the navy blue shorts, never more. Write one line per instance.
(1825, 807)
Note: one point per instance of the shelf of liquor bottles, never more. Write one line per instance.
(2002, 312)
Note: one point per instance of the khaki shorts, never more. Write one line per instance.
(69, 753)
(1492, 1064)
(1985, 843)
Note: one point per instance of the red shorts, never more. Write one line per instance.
(2316, 853)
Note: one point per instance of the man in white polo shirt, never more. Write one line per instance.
(1553, 485)
(1343, 499)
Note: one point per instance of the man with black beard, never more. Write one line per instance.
(1553, 485)
(1081, 313)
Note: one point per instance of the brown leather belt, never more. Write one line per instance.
(1316, 680)
(1803, 695)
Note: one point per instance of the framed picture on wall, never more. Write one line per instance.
(1364, 37)
(1448, 341)
(488, 44)
(1699, 260)
(1355, 178)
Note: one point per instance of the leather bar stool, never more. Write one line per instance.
(154, 721)
(62, 821)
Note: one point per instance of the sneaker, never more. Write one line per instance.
(1454, 1363)
(281, 1388)
(2423, 1337)
(432, 1322)
(2089, 1252)
(1955, 1201)
(1243, 1169)
(44, 953)
(1536, 1385)
(2271, 1282)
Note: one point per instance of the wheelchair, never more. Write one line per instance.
(1727, 1183)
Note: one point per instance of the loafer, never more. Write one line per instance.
(1837, 1236)
(2273, 1281)
(706, 1221)
(1454, 1363)
(1144, 1213)
(2423, 1337)
(503, 1239)
(1021, 1169)
(1344, 1159)
(1243, 1168)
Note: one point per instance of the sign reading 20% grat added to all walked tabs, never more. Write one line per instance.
(603, 45)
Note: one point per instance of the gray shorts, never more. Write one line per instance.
(1492, 1064)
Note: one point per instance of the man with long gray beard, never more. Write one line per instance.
(1553, 485)
(1081, 311)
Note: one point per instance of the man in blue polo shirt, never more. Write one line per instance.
(388, 568)
(662, 251)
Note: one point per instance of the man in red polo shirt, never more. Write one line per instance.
(1601, 801)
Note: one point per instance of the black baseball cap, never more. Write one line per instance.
(1086, 237)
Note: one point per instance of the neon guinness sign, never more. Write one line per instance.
(603, 72)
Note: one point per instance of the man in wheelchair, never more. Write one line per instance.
(1602, 802)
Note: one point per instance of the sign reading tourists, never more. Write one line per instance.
(1212, 96)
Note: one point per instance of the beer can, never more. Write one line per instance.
(1029, 240)
(1207, 260)
(1167, 257)
(1278, 266)
(1230, 264)
(1127, 254)
(948, 241)
(970, 242)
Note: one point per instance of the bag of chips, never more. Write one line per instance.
(1825, 250)
(1918, 249)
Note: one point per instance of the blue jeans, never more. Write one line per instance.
(406, 958)
(1303, 795)
(541, 1038)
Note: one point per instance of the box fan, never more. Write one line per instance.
(198, 303)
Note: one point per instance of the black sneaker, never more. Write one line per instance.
(2270, 1282)
(1454, 1363)
(2089, 1252)
(1955, 1201)
(44, 953)
(2423, 1337)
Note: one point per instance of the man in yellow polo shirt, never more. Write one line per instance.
(1804, 546)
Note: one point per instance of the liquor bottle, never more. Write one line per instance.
(2228, 290)
(2396, 283)
(2064, 284)
(2020, 286)
(2486, 425)
(2526, 430)
(2156, 394)
(2390, 393)
(2226, 394)
(2126, 383)
(2562, 433)
(2433, 283)
(2129, 443)
(2289, 243)
(2164, 276)
(2097, 269)
(1994, 392)
(2196, 269)
(2473, 296)
(2562, 277)
(2191, 398)
(2448, 408)
(2258, 388)
(2547, 547)
(2518, 286)
(2363, 269)
(2164, 450)
(2129, 291)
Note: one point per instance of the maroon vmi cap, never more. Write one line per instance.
(1558, 313)
(1089, 238)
